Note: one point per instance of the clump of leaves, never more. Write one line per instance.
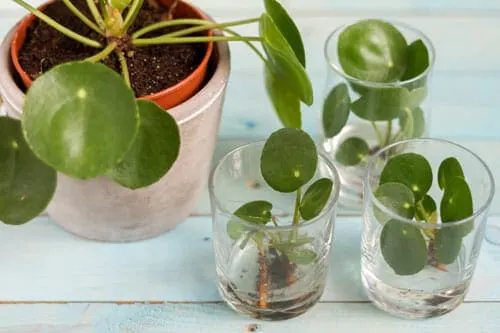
(376, 52)
(288, 162)
(403, 190)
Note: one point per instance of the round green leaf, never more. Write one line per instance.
(397, 198)
(302, 257)
(382, 104)
(457, 205)
(80, 118)
(412, 123)
(336, 110)
(289, 159)
(315, 198)
(258, 212)
(447, 245)
(235, 230)
(154, 151)
(283, 61)
(409, 169)
(285, 102)
(26, 184)
(352, 151)
(403, 247)
(287, 27)
(373, 50)
(417, 60)
(292, 244)
(426, 210)
(448, 170)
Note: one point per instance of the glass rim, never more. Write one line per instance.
(330, 205)
(483, 208)
(337, 68)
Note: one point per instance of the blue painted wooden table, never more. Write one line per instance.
(51, 281)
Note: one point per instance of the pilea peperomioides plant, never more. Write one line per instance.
(404, 185)
(386, 87)
(82, 118)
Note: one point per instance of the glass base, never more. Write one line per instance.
(412, 304)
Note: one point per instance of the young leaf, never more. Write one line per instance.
(382, 104)
(287, 27)
(154, 150)
(120, 4)
(235, 229)
(289, 159)
(373, 50)
(302, 257)
(457, 205)
(448, 170)
(403, 247)
(396, 198)
(287, 246)
(413, 124)
(285, 102)
(336, 110)
(447, 245)
(315, 198)
(283, 61)
(426, 211)
(409, 169)
(86, 124)
(352, 151)
(417, 60)
(258, 212)
(26, 184)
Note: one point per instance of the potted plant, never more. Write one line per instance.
(425, 212)
(107, 162)
(273, 206)
(376, 94)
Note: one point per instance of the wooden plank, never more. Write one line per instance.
(40, 262)
(179, 318)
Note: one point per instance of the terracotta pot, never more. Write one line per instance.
(100, 209)
(168, 98)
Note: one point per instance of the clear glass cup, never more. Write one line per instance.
(378, 134)
(437, 288)
(254, 277)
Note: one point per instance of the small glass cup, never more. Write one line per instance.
(377, 134)
(254, 277)
(437, 288)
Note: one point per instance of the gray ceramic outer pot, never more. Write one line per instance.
(99, 209)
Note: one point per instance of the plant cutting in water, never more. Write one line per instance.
(388, 76)
(288, 162)
(403, 189)
(82, 119)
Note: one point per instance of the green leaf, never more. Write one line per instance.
(287, 246)
(80, 118)
(315, 198)
(426, 210)
(283, 61)
(258, 212)
(120, 4)
(235, 230)
(417, 60)
(26, 184)
(285, 102)
(373, 50)
(336, 110)
(302, 257)
(447, 245)
(352, 151)
(289, 159)
(403, 247)
(457, 205)
(383, 104)
(154, 150)
(287, 27)
(397, 198)
(412, 123)
(448, 170)
(409, 169)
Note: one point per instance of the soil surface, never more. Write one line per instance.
(152, 68)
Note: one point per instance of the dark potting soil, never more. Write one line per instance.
(152, 68)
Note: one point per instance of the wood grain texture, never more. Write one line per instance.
(205, 318)
(40, 262)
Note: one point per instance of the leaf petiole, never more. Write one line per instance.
(183, 40)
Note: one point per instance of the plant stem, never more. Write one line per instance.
(185, 40)
(263, 277)
(82, 17)
(296, 214)
(132, 14)
(59, 27)
(378, 133)
(171, 10)
(103, 54)
(220, 26)
(388, 133)
(123, 64)
(95, 13)
(255, 49)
